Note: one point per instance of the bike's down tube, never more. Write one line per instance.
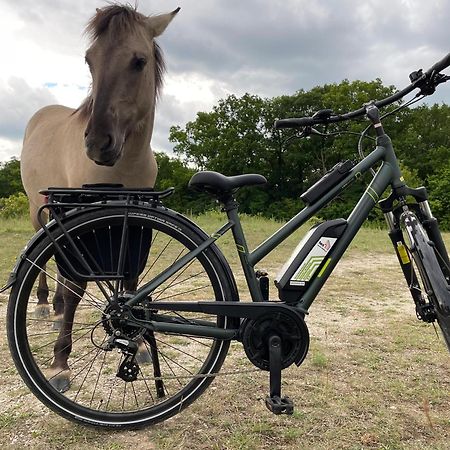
(386, 175)
(355, 220)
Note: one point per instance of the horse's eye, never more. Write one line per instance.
(139, 63)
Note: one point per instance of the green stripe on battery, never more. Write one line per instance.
(324, 268)
(308, 269)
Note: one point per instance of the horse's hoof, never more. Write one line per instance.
(143, 356)
(42, 312)
(57, 322)
(61, 382)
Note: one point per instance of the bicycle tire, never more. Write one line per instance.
(435, 286)
(187, 364)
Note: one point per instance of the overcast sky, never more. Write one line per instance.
(214, 48)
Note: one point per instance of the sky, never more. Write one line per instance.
(216, 48)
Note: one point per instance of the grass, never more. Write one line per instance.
(375, 377)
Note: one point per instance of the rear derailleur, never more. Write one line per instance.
(128, 369)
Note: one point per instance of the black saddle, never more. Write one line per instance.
(217, 184)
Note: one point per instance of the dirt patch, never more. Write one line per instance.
(375, 377)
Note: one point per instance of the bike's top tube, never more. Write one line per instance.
(425, 81)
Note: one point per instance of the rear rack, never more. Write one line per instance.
(85, 261)
(101, 193)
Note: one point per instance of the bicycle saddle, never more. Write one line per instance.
(217, 183)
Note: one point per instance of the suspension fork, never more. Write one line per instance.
(398, 241)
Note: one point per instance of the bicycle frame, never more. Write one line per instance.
(388, 174)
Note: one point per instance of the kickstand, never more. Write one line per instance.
(274, 402)
(159, 384)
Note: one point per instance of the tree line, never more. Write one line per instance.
(237, 136)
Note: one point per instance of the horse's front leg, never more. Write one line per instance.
(58, 303)
(42, 310)
(60, 370)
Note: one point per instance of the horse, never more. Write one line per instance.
(105, 140)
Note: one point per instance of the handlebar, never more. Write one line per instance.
(421, 81)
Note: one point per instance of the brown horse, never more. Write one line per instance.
(105, 140)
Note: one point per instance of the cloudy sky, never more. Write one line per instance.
(214, 48)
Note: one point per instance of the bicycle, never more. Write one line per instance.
(161, 285)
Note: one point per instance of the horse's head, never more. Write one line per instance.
(126, 67)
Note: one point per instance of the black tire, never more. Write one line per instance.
(96, 395)
(435, 288)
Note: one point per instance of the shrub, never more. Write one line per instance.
(14, 206)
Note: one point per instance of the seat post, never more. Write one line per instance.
(230, 206)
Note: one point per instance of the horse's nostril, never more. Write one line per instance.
(108, 142)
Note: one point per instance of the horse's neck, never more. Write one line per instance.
(137, 145)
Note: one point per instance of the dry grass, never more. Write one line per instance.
(375, 377)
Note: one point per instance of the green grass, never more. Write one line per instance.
(375, 377)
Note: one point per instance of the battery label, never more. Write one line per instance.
(312, 261)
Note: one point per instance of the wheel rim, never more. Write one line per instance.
(95, 389)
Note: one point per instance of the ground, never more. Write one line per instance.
(375, 377)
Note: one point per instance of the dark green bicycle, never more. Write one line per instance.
(151, 305)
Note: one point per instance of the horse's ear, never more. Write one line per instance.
(157, 24)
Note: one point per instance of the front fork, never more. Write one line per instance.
(424, 310)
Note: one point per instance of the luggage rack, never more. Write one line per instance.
(100, 194)
(84, 263)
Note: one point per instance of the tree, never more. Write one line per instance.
(237, 136)
(10, 181)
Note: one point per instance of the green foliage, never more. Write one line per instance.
(237, 136)
(10, 181)
(14, 206)
(173, 172)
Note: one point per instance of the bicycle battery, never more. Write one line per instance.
(329, 180)
(308, 259)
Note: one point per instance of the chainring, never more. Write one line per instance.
(292, 330)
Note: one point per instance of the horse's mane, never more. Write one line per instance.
(120, 19)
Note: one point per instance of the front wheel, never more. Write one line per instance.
(69, 367)
(434, 287)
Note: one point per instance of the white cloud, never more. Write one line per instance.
(214, 48)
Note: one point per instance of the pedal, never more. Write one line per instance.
(278, 405)
(274, 401)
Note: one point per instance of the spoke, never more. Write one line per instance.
(174, 362)
(124, 395)
(98, 376)
(155, 261)
(185, 292)
(96, 303)
(135, 396)
(32, 319)
(145, 382)
(57, 331)
(178, 350)
(87, 373)
(95, 349)
(172, 283)
(66, 347)
(114, 383)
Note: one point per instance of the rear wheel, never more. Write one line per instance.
(434, 287)
(176, 368)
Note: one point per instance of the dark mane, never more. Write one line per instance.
(118, 19)
(121, 17)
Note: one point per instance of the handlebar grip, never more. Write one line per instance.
(294, 123)
(440, 65)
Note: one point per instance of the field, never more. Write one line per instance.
(375, 377)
